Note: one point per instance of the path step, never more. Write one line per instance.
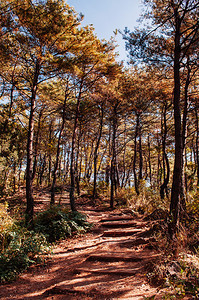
(113, 258)
(118, 272)
(119, 224)
(84, 293)
(112, 233)
(117, 218)
(136, 242)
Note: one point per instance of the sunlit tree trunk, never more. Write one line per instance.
(135, 155)
(58, 149)
(29, 169)
(96, 150)
(113, 158)
(72, 169)
(163, 187)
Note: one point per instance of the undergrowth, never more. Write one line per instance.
(57, 223)
(178, 273)
(20, 248)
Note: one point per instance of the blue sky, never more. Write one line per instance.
(108, 15)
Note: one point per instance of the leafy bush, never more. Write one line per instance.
(24, 249)
(58, 223)
(181, 277)
(6, 224)
(19, 248)
(125, 196)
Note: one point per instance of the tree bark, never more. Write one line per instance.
(36, 145)
(197, 142)
(113, 158)
(163, 187)
(72, 171)
(178, 163)
(96, 150)
(140, 154)
(149, 159)
(52, 202)
(135, 155)
(49, 156)
(29, 169)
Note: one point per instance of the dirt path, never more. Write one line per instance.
(108, 263)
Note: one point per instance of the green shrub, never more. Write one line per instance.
(6, 224)
(58, 223)
(19, 248)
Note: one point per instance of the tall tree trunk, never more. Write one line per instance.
(72, 171)
(36, 145)
(163, 187)
(101, 114)
(135, 155)
(184, 133)
(58, 149)
(140, 155)
(123, 158)
(29, 168)
(113, 159)
(197, 142)
(49, 156)
(149, 159)
(12, 90)
(178, 163)
(159, 169)
(77, 162)
(42, 169)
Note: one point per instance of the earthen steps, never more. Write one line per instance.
(123, 233)
(136, 242)
(113, 258)
(120, 224)
(117, 218)
(116, 272)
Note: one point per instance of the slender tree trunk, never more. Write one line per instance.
(197, 142)
(140, 155)
(113, 159)
(42, 169)
(72, 171)
(163, 187)
(96, 150)
(159, 169)
(14, 177)
(149, 159)
(77, 162)
(90, 162)
(49, 156)
(36, 145)
(19, 174)
(123, 158)
(184, 133)
(178, 163)
(29, 169)
(135, 155)
(52, 202)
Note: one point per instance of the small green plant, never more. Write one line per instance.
(6, 224)
(19, 247)
(58, 223)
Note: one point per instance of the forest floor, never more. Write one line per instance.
(109, 262)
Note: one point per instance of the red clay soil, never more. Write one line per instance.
(110, 262)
